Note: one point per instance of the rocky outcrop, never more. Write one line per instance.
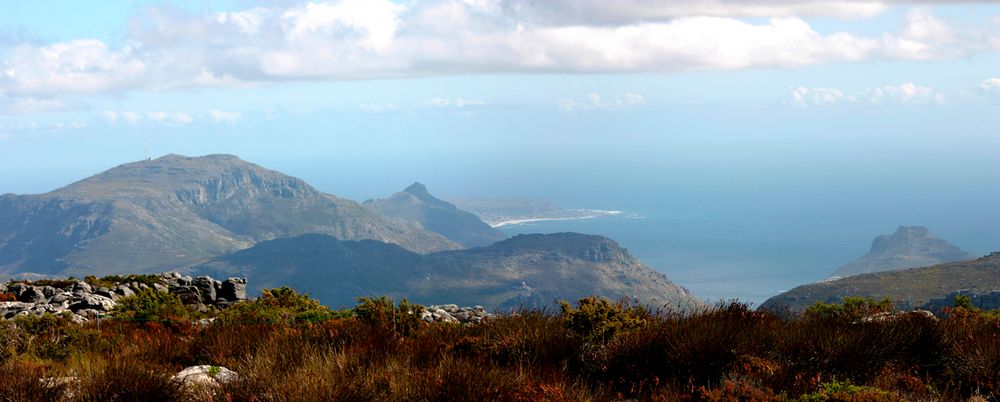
(451, 313)
(205, 377)
(87, 300)
(908, 247)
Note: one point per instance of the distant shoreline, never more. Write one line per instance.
(594, 213)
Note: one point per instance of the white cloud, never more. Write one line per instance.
(803, 97)
(168, 118)
(903, 93)
(459, 103)
(220, 116)
(76, 66)
(359, 39)
(990, 85)
(130, 117)
(594, 101)
(617, 12)
(109, 116)
(906, 93)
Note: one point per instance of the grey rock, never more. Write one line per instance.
(103, 291)
(82, 286)
(3, 288)
(233, 289)
(18, 288)
(61, 297)
(93, 302)
(32, 294)
(49, 291)
(160, 288)
(187, 294)
(206, 287)
(124, 291)
(205, 376)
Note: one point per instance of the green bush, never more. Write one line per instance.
(381, 312)
(277, 306)
(845, 391)
(599, 319)
(852, 309)
(150, 305)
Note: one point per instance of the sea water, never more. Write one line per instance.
(726, 258)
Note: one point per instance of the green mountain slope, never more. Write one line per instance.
(909, 288)
(156, 214)
(530, 270)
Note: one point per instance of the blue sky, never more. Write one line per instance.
(505, 97)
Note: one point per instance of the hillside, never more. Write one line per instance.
(531, 270)
(909, 288)
(416, 204)
(908, 247)
(156, 214)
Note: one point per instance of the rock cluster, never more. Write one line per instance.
(84, 299)
(454, 314)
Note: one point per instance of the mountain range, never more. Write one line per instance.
(222, 215)
(526, 270)
(156, 214)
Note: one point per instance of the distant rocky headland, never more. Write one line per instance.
(499, 212)
(908, 247)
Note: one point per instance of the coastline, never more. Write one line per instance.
(596, 213)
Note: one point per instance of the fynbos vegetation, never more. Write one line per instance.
(285, 346)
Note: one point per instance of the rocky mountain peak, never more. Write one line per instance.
(418, 189)
(416, 204)
(908, 247)
(904, 236)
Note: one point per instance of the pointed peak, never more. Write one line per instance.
(417, 189)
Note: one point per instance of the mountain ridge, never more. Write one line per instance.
(154, 214)
(529, 270)
(909, 288)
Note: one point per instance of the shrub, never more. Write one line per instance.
(276, 306)
(845, 391)
(381, 313)
(598, 319)
(150, 305)
(852, 309)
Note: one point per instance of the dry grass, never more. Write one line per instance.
(727, 353)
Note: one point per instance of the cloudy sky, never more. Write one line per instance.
(363, 96)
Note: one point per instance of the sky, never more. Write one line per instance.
(768, 107)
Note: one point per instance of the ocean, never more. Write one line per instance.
(724, 258)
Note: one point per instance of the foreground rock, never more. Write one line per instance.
(205, 377)
(454, 314)
(88, 300)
